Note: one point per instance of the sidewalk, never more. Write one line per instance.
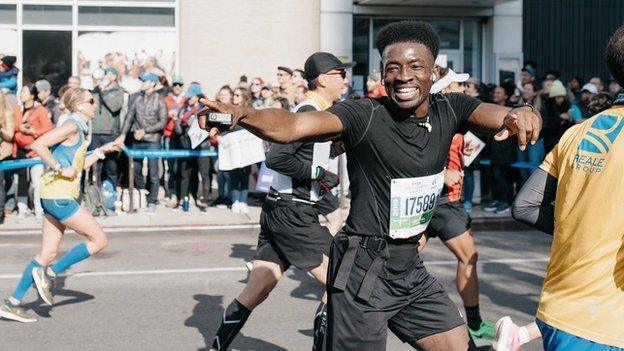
(166, 218)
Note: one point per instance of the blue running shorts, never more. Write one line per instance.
(558, 340)
(61, 209)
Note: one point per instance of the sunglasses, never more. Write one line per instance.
(342, 73)
(177, 84)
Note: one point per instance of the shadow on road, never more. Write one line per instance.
(43, 310)
(244, 251)
(499, 292)
(308, 289)
(206, 317)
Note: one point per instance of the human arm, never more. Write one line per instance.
(41, 147)
(281, 158)
(9, 83)
(112, 99)
(159, 126)
(524, 121)
(43, 123)
(277, 125)
(8, 129)
(127, 123)
(97, 154)
(534, 203)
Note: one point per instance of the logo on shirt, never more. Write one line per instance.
(598, 140)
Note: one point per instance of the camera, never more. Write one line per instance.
(219, 118)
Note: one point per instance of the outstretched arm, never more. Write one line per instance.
(277, 125)
(524, 121)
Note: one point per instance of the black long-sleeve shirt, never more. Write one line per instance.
(293, 161)
(534, 204)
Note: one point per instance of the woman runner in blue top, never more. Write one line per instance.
(63, 150)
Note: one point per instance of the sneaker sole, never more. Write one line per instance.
(39, 285)
(15, 317)
(502, 330)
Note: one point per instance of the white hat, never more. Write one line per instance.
(449, 78)
(590, 87)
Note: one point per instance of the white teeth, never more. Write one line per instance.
(406, 90)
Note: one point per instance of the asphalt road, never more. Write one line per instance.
(167, 291)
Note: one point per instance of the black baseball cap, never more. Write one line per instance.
(323, 62)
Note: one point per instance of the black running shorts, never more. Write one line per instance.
(327, 204)
(291, 234)
(449, 221)
(409, 302)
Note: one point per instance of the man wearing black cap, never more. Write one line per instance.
(290, 230)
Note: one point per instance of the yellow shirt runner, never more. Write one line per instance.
(583, 293)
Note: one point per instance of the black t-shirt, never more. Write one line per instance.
(383, 143)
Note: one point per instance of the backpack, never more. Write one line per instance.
(93, 199)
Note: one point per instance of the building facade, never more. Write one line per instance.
(215, 41)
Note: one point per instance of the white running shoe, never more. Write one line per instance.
(506, 338)
(236, 207)
(242, 208)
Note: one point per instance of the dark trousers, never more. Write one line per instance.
(168, 180)
(503, 183)
(188, 168)
(107, 168)
(153, 170)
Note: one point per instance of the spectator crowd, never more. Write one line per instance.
(157, 112)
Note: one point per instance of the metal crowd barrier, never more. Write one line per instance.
(132, 154)
(519, 164)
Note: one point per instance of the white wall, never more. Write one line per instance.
(337, 28)
(222, 39)
(504, 32)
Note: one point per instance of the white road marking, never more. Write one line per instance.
(207, 228)
(242, 268)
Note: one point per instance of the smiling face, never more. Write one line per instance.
(408, 70)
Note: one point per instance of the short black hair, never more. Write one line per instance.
(408, 31)
(614, 56)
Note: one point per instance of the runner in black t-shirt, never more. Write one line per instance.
(290, 232)
(396, 150)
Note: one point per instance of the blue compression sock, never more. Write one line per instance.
(73, 256)
(27, 280)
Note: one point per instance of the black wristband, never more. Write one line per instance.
(524, 104)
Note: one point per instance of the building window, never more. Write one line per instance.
(44, 14)
(8, 14)
(361, 42)
(472, 48)
(126, 16)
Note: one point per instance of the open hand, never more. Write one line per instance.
(109, 147)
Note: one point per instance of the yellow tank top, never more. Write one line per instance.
(53, 184)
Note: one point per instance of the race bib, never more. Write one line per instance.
(412, 202)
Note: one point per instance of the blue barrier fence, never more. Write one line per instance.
(133, 153)
(171, 153)
(524, 165)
